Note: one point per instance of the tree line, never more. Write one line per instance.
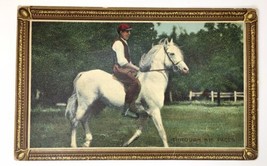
(60, 50)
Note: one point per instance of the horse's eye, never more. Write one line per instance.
(171, 54)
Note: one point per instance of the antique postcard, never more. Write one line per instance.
(136, 83)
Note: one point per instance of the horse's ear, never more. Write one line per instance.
(171, 42)
(166, 41)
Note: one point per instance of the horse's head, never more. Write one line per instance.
(175, 57)
(164, 56)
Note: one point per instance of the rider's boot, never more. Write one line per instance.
(130, 110)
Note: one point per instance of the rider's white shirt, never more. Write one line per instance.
(119, 49)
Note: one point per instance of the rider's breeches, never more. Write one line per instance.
(131, 83)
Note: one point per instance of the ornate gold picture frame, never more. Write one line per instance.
(40, 130)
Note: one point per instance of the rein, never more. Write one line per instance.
(156, 70)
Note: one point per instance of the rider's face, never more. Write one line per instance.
(125, 34)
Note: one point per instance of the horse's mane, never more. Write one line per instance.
(146, 59)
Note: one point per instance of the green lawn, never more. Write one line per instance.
(186, 125)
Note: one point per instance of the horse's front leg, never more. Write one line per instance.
(142, 121)
(156, 116)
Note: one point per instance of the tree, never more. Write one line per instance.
(215, 58)
(60, 50)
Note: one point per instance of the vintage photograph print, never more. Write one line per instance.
(136, 83)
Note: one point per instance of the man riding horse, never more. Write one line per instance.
(96, 89)
(124, 70)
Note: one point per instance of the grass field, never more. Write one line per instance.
(186, 125)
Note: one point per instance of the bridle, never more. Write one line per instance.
(173, 63)
(165, 69)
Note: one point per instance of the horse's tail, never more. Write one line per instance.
(72, 101)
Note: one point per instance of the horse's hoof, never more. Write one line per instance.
(86, 144)
(125, 144)
(73, 146)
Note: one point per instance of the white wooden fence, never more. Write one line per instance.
(212, 95)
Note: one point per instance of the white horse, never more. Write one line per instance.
(96, 89)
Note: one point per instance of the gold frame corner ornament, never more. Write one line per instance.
(250, 154)
(24, 13)
(251, 16)
(22, 154)
(28, 14)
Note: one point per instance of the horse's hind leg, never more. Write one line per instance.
(81, 110)
(97, 106)
(74, 125)
(88, 134)
(142, 121)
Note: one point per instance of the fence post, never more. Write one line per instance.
(212, 96)
(170, 96)
(235, 96)
(190, 95)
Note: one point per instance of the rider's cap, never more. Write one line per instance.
(124, 27)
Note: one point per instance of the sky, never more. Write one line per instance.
(189, 27)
